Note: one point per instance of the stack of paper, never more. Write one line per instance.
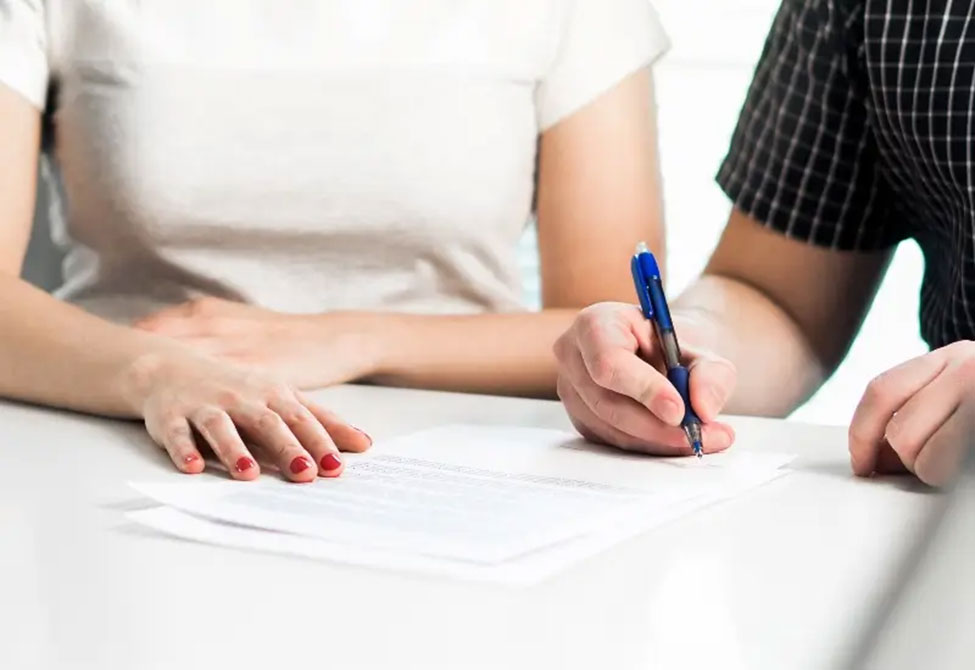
(502, 504)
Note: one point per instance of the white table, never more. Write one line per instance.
(780, 578)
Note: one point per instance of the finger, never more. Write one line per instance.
(176, 437)
(888, 462)
(884, 396)
(311, 434)
(594, 429)
(623, 372)
(346, 436)
(712, 381)
(266, 428)
(942, 456)
(669, 441)
(909, 430)
(618, 411)
(219, 431)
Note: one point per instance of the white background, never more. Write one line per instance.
(701, 85)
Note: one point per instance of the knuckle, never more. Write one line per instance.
(255, 381)
(603, 368)
(202, 306)
(278, 394)
(648, 392)
(168, 416)
(589, 320)
(296, 416)
(211, 421)
(174, 433)
(229, 398)
(877, 390)
(268, 421)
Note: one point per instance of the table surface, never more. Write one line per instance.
(783, 577)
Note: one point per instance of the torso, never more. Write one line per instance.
(920, 67)
(306, 159)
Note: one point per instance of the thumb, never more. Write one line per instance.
(712, 381)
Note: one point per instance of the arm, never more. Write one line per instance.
(598, 193)
(50, 352)
(55, 354)
(786, 312)
(783, 311)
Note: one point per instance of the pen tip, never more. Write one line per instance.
(642, 248)
(698, 449)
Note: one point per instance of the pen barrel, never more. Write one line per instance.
(661, 310)
(680, 377)
(669, 347)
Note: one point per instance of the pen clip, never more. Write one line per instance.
(642, 287)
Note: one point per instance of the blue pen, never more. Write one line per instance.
(650, 290)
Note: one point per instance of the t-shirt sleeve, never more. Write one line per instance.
(602, 41)
(803, 159)
(23, 49)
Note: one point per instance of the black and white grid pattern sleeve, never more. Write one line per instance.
(803, 159)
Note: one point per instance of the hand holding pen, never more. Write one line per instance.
(613, 376)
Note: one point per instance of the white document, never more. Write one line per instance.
(507, 504)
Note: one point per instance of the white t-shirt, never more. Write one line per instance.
(308, 155)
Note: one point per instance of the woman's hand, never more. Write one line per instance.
(227, 407)
(613, 396)
(919, 416)
(310, 351)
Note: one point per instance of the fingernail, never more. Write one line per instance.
(299, 465)
(191, 458)
(667, 410)
(368, 436)
(244, 463)
(330, 463)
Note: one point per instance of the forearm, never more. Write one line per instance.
(55, 354)
(507, 354)
(777, 367)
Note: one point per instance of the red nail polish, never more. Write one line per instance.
(244, 463)
(300, 464)
(330, 463)
(368, 436)
(191, 458)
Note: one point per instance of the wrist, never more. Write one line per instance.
(367, 339)
(141, 376)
